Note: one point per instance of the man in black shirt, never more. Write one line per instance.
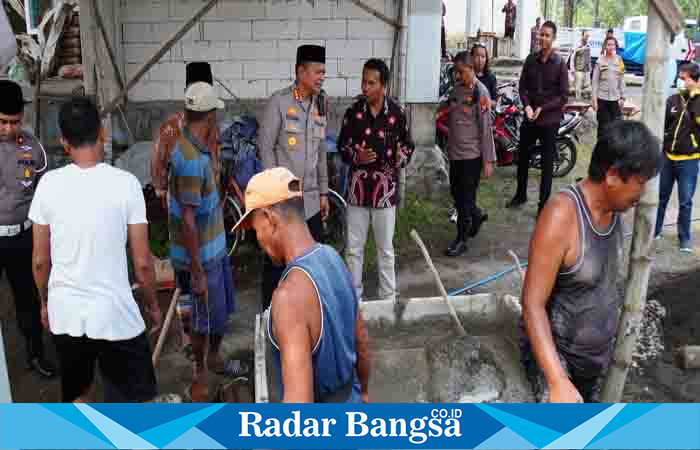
(544, 88)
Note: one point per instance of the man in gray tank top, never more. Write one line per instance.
(571, 306)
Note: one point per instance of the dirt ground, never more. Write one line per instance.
(674, 284)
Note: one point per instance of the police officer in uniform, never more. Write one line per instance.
(21, 163)
(292, 135)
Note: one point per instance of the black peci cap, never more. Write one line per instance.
(198, 71)
(11, 98)
(311, 54)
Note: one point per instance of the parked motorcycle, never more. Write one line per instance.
(507, 120)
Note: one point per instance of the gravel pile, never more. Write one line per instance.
(651, 335)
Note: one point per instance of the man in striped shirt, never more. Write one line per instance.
(197, 238)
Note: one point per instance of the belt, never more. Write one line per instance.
(14, 230)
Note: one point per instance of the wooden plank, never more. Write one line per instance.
(88, 47)
(108, 45)
(376, 13)
(167, 45)
(670, 13)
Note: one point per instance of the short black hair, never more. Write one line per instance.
(692, 69)
(196, 116)
(463, 57)
(628, 147)
(551, 25)
(380, 66)
(79, 121)
(610, 30)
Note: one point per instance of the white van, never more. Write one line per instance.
(638, 24)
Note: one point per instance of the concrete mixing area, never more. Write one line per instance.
(418, 356)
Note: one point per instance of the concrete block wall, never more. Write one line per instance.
(252, 43)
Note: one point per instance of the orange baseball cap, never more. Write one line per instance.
(268, 188)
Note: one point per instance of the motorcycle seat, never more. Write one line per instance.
(567, 119)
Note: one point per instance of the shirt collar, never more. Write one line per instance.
(385, 110)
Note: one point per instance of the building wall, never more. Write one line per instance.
(252, 43)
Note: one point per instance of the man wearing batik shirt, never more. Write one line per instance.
(375, 141)
(171, 131)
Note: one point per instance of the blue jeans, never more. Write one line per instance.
(686, 174)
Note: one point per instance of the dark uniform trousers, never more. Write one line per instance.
(273, 273)
(529, 134)
(16, 262)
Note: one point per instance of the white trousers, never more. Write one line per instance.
(383, 222)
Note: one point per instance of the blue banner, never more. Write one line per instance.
(388, 426)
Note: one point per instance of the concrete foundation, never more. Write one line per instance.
(417, 356)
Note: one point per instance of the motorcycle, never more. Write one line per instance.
(507, 118)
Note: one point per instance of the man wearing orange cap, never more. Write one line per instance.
(315, 325)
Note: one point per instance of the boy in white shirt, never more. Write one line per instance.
(84, 214)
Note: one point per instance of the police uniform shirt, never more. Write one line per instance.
(19, 161)
(292, 135)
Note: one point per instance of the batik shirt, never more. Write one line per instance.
(375, 185)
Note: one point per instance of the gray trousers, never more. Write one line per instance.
(383, 222)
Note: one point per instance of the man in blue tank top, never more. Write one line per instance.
(319, 340)
(571, 306)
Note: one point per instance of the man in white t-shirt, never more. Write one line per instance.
(84, 214)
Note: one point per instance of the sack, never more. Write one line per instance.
(239, 153)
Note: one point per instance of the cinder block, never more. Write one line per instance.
(139, 53)
(253, 50)
(138, 32)
(228, 30)
(345, 9)
(335, 87)
(287, 48)
(288, 9)
(275, 85)
(184, 9)
(383, 48)
(131, 70)
(152, 90)
(351, 68)
(323, 9)
(206, 51)
(357, 49)
(332, 68)
(143, 10)
(168, 71)
(166, 30)
(227, 70)
(369, 29)
(275, 29)
(240, 9)
(324, 29)
(267, 70)
(354, 87)
(245, 88)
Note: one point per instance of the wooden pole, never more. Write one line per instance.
(167, 45)
(108, 44)
(441, 287)
(653, 111)
(376, 13)
(166, 326)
